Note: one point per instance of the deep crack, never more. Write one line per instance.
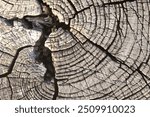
(44, 22)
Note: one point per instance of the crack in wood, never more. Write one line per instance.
(14, 61)
(118, 2)
(44, 23)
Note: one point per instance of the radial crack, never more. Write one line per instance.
(118, 2)
(13, 61)
(7, 2)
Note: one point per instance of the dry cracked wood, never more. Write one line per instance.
(74, 49)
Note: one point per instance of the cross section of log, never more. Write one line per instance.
(74, 49)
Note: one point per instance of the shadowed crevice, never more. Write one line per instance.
(56, 90)
(44, 23)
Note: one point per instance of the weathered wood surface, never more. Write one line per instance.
(100, 50)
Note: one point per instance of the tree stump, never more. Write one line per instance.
(88, 49)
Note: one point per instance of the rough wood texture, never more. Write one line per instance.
(90, 49)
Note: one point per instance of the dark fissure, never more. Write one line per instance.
(44, 22)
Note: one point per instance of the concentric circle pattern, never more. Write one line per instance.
(104, 55)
